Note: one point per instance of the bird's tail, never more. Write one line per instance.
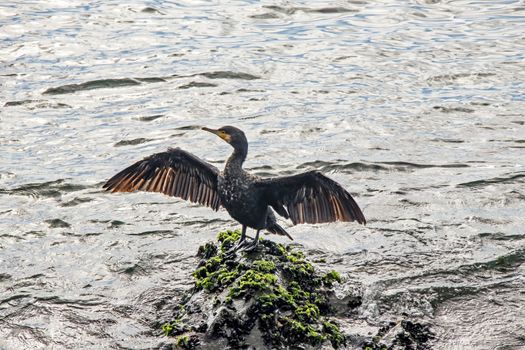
(278, 230)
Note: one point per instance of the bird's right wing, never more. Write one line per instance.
(175, 173)
(310, 198)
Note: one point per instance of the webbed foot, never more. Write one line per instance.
(231, 252)
(251, 246)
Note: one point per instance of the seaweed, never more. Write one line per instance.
(187, 342)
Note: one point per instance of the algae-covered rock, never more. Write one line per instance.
(269, 298)
(274, 298)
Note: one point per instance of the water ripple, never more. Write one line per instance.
(416, 108)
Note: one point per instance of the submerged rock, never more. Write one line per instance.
(404, 335)
(272, 298)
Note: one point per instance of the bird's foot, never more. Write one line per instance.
(250, 247)
(231, 252)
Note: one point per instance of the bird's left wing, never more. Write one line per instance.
(310, 198)
(175, 173)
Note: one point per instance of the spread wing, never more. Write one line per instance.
(175, 173)
(310, 198)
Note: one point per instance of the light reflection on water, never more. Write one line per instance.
(415, 107)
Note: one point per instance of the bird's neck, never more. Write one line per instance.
(234, 163)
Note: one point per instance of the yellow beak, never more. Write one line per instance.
(219, 133)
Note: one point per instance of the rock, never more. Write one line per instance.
(265, 299)
(403, 335)
(273, 298)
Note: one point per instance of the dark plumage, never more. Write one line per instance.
(309, 197)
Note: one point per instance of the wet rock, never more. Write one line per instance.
(404, 335)
(269, 298)
(132, 142)
(57, 223)
(101, 84)
(196, 84)
(151, 10)
(274, 298)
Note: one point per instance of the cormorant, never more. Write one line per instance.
(310, 197)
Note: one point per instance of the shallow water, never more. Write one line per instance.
(415, 107)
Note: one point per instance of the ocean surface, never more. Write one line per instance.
(416, 107)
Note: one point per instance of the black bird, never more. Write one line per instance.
(309, 197)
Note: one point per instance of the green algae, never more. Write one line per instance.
(286, 297)
(183, 341)
(308, 312)
(187, 342)
(215, 271)
(331, 277)
(167, 328)
(264, 265)
(251, 282)
(207, 250)
(214, 279)
(334, 334)
(228, 239)
(173, 328)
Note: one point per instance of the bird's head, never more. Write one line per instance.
(234, 136)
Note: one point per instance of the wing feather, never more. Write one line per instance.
(175, 173)
(311, 197)
(174, 189)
